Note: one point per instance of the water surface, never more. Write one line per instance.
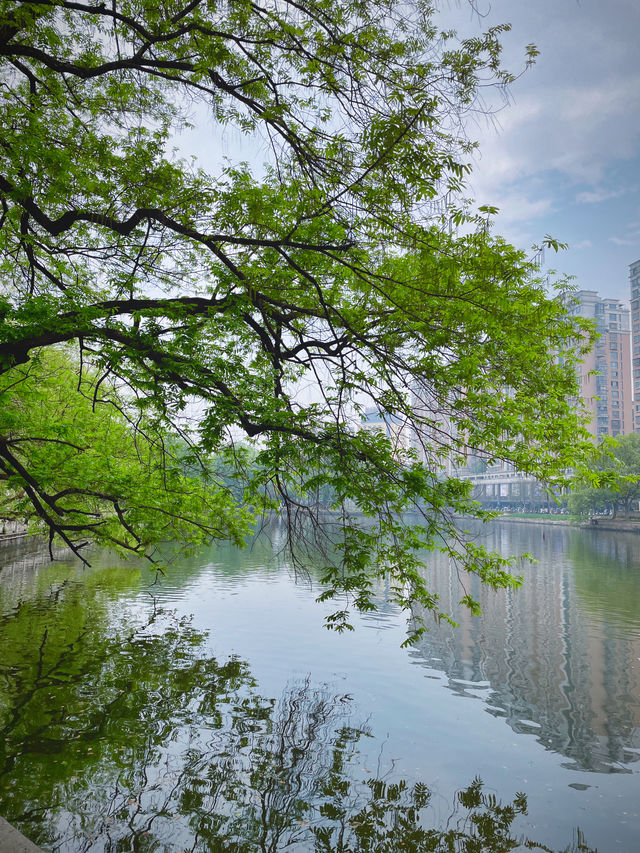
(213, 711)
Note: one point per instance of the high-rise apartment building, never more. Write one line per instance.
(605, 372)
(605, 380)
(634, 283)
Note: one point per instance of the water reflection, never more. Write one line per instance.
(120, 732)
(607, 578)
(557, 658)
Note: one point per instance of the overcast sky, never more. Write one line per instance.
(563, 157)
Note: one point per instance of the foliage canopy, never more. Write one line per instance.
(343, 262)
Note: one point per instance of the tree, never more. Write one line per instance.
(342, 261)
(58, 433)
(612, 481)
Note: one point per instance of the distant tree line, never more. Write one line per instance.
(612, 482)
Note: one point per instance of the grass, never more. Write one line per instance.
(543, 516)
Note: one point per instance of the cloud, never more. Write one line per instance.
(566, 140)
(578, 109)
(625, 241)
(576, 131)
(518, 207)
(629, 237)
(597, 196)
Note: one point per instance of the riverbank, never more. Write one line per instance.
(622, 525)
(543, 519)
(603, 522)
(10, 530)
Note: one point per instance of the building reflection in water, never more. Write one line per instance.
(560, 656)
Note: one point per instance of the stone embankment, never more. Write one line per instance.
(600, 522)
(622, 525)
(10, 529)
(12, 841)
(544, 519)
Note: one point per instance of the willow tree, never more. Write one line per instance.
(338, 258)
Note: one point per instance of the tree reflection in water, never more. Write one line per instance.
(136, 739)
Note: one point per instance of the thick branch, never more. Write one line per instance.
(55, 227)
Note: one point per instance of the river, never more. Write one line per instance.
(211, 709)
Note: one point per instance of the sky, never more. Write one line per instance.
(562, 155)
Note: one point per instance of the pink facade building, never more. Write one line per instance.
(605, 373)
(634, 284)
